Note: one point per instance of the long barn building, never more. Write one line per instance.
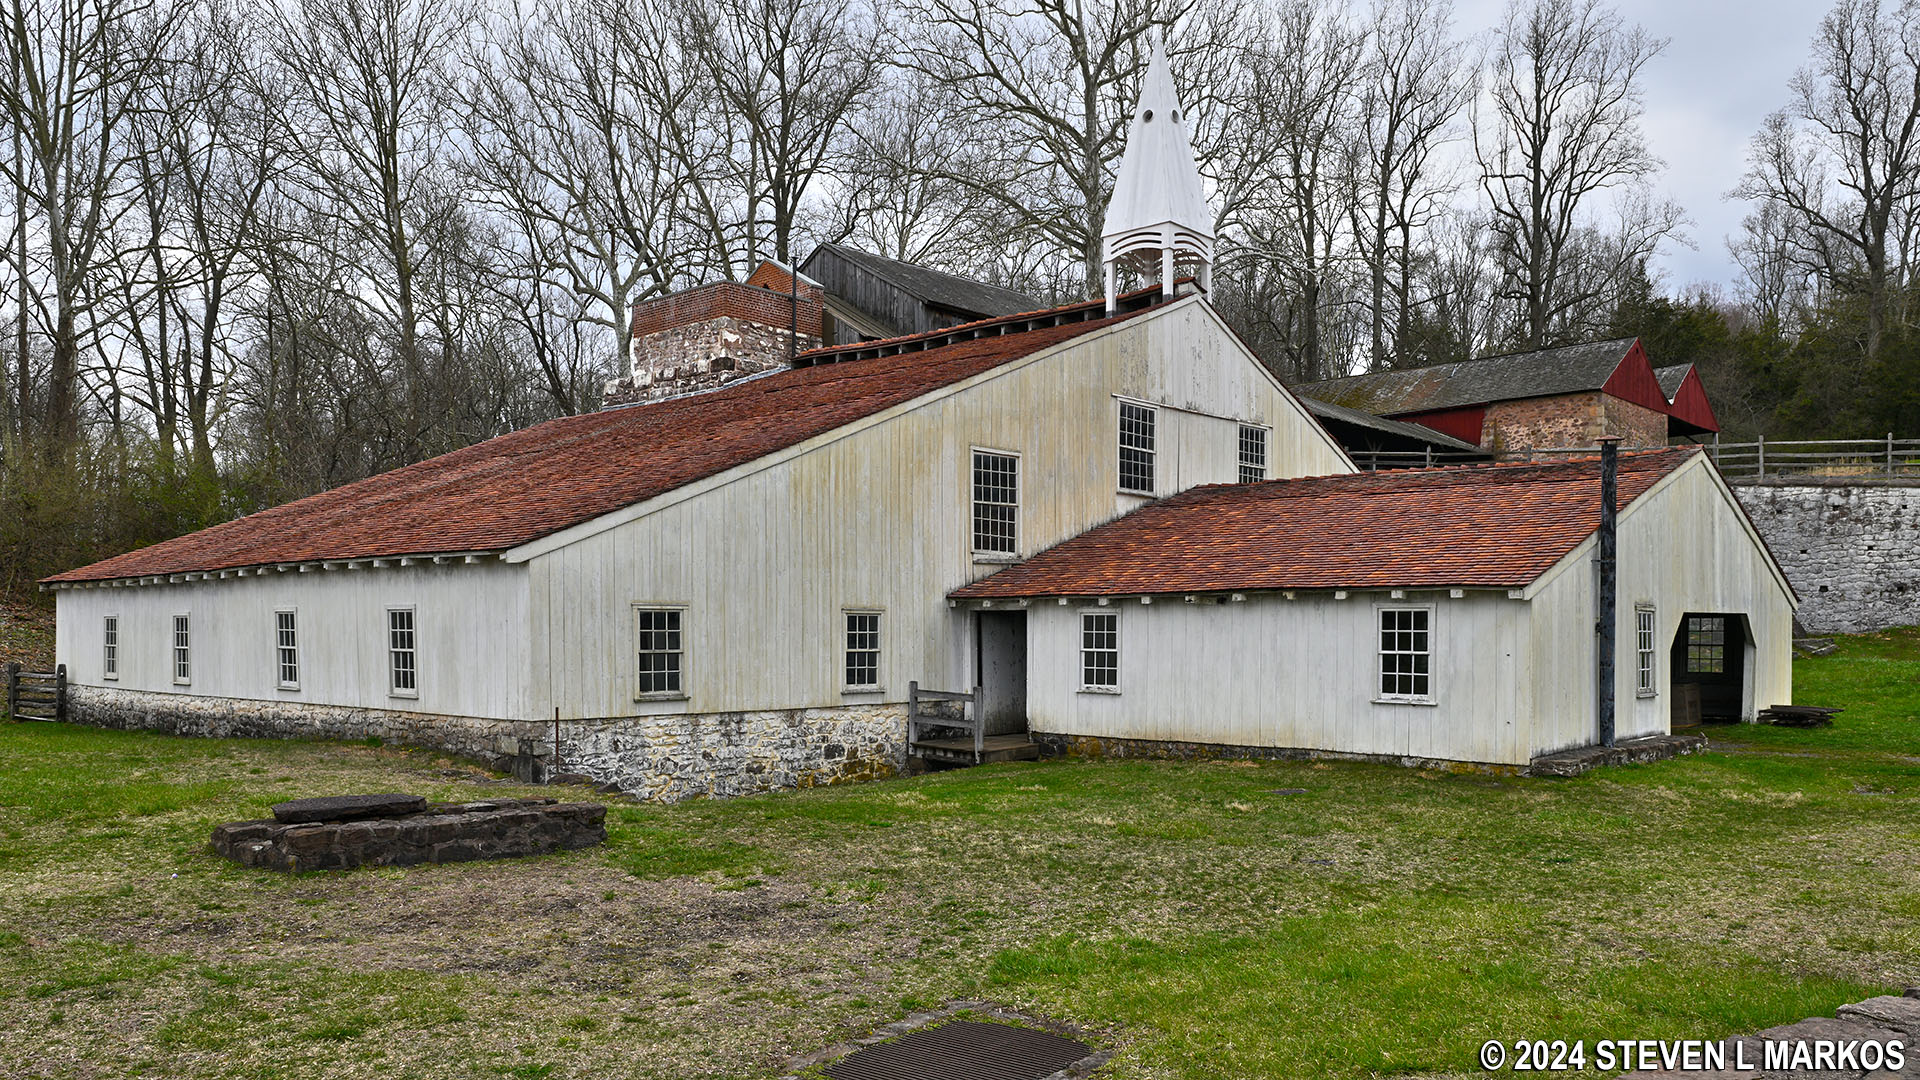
(1108, 517)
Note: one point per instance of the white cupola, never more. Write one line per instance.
(1159, 210)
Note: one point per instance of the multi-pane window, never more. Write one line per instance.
(1643, 648)
(1100, 650)
(110, 647)
(1706, 644)
(403, 658)
(863, 649)
(1253, 454)
(661, 661)
(1136, 447)
(286, 649)
(182, 649)
(1406, 654)
(996, 503)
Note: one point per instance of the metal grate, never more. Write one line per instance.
(963, 1050)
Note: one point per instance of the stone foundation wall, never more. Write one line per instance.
(659, 758)
(1088, 746)
(1852, 551)
(670, 758)
(702, 356)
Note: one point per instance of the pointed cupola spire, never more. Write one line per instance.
(1159, 210)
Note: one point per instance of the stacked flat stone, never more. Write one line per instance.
(340, 832)
(1881, 1020)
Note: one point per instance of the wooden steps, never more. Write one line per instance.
(993, 748)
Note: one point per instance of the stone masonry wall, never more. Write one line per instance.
(1569, 420)
(659, 758)
(670, 758)
(701, 356)
(1852, 551)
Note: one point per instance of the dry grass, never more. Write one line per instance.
(1200, 924)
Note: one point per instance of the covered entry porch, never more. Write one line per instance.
(987, 723)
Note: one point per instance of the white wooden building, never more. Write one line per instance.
(730, 590)
(1428, 615)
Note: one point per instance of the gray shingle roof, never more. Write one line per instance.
(1671, 378)
(1326, 410)
(1566, 370)
(939, 288)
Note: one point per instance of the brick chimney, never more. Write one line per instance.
(711, 335)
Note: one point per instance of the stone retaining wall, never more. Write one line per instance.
(660, 758)
(1852, 551)
(455, 832)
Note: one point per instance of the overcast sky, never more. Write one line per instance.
(1726, 67)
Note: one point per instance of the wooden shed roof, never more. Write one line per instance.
(1567, 370)
(1498, 526)
(936, 287)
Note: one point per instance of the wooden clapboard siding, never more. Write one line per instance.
(1683, 546)
(1298, 673)
(470, 626)
(879, 515)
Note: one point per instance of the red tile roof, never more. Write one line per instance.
(519, 487)
(1497, 526)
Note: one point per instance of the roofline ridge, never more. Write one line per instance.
(1469, 360)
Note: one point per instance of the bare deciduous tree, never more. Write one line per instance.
(1561, 126)
(82, 70)
(1842, 163)
(1416, 86)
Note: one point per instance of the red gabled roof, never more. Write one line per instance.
(1494, 526)
(1690, 405)
(519, 487)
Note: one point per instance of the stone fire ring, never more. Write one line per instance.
(345, 831)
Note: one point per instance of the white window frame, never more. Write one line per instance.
(110, 646)
(291, 645)
(1646, 647)
(847, 615)
(1150, 452)
(1084, 651)
(394, 689)
(180, 647)
(1381, 652)
(1266, 452)
(984, 555)
(679, 693)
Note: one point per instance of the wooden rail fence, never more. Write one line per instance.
(968, 720)
(1863, 459)
(36, 695)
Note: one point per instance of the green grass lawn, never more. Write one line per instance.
(1188, 915)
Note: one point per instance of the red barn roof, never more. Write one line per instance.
(522, 486)
(1499, 526)
(1688, 398)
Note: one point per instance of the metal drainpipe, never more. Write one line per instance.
(1606, 558)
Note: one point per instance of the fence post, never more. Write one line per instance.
(1889, 453)
(60, 693)
(979, 726)
(1761, 457)
(13, 690)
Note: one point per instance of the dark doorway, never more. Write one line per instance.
(1710, 659)
(1001, 671)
